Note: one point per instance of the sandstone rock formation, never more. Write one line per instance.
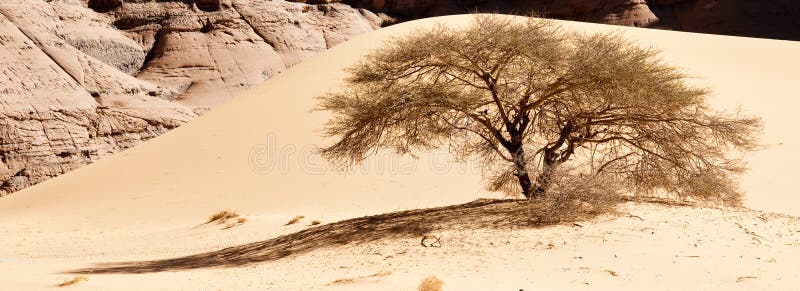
(210, 51)
(83, 79)
(63, 108)
(78, 85)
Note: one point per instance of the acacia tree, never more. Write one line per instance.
(534, 97)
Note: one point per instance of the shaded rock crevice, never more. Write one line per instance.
(104, 5)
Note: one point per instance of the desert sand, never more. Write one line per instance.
(254, 155)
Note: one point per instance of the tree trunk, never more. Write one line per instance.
(521, 171)
(544, 179)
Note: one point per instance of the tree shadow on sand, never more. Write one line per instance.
(484, 213)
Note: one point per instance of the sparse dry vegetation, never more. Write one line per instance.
(315, 222)
(72, 281)
(353, 280)
(228, 217)
(295, 219)
(539, 107)
(343, 281)
(222, 216)
(430, 284)
(380, 274)
(239, 221)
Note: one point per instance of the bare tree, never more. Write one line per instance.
(529, 95)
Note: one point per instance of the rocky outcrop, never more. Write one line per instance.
(210, 51)
(83, 79)
(61, 108)
(79, 85)
(90, 33)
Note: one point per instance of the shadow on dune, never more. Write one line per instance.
(496, 214)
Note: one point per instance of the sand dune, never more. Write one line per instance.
(255, 155)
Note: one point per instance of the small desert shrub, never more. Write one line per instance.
(315, 222)
(431, 284)
(73, 281)
(572, 196)
(576, 197)
(294, 220)
(222, 216)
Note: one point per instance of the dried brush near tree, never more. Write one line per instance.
(529, 100)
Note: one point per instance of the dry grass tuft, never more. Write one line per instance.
(431, 284)
(222, 216)
(315, 222)
(353, 280)
(238, 222)
(343, 281)
(73, 281)
(380, 274)
(227, 217)
(294, 220)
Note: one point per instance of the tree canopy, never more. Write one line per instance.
(532, 98)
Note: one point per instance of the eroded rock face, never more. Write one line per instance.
(62, 108)
(90, 33)
(83, 79)
(210, 55)
(79, 85)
